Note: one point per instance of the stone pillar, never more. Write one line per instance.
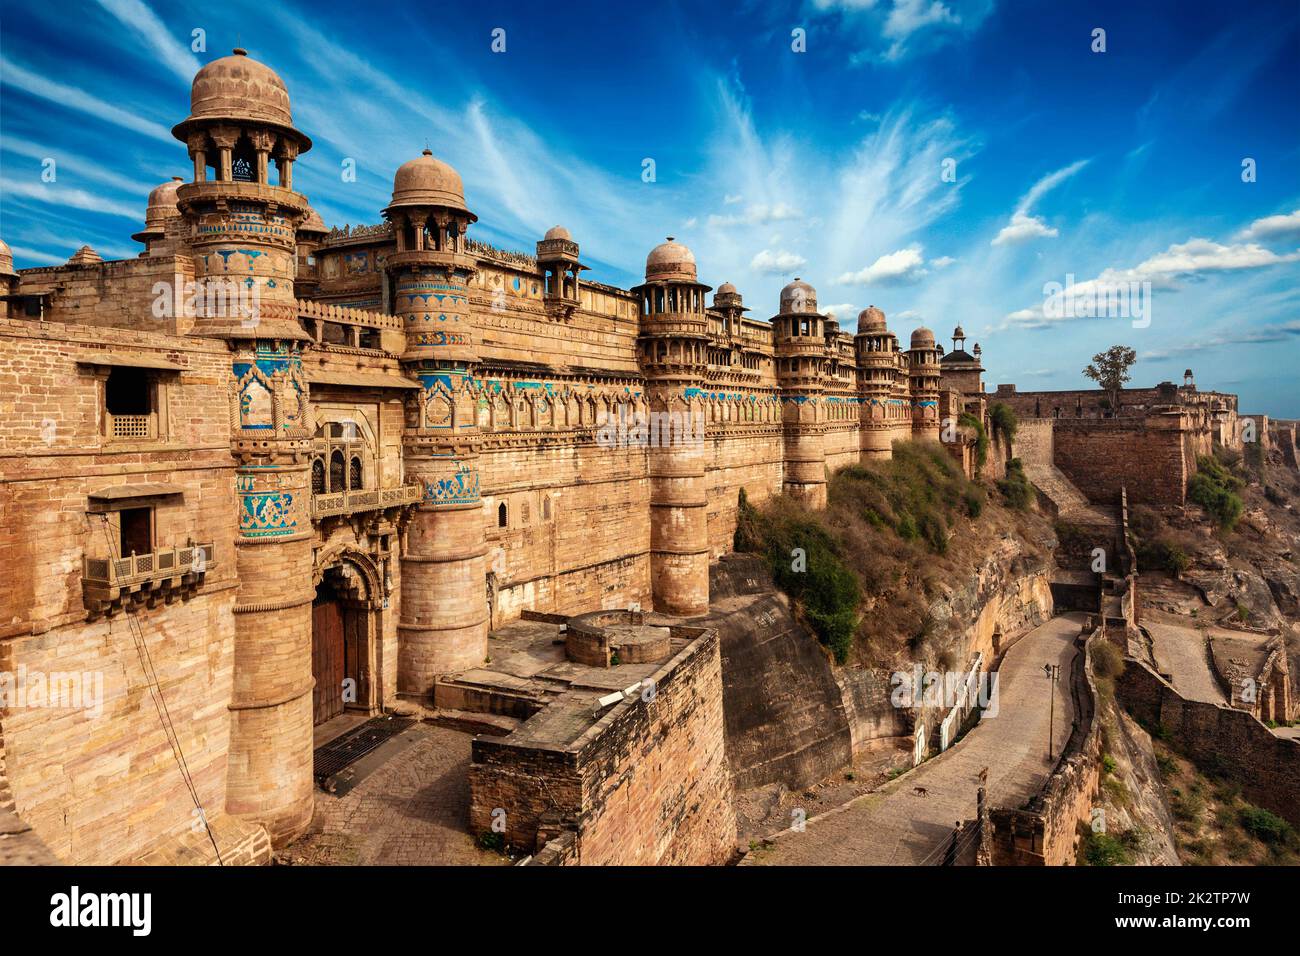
(444, 613)
(247, 264)
(805, 450)
(679, 533)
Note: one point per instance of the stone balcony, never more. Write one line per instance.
(110, 585)
(367, 499)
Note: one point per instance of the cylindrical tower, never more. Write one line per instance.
(242, 239)
(798, 335)
(444, 614)
(876, 349)
(672, 347)
(923, 370)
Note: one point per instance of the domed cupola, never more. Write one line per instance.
(428, 182)
(242, 226)
(672, 344)
(871, 320)
(6, 262)
(239, 89)
(160, 208)
(798, 298)
(557, 259)
(670, 261)
(431, 267)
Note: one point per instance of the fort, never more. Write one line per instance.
(408, 468)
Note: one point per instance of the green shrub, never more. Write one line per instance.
(1016, 488)
(1263, 825)
(1107, 660)
(820, 580)
(1108, 764)
(935, 532)
(1163, 555)
(981, 437)
(974, 501)
(1102, 849)
(1215, 488)
(1003, 420)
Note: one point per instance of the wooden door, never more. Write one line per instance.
(327, 659)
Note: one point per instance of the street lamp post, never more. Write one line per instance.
(1051, 672)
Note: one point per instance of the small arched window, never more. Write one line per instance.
(501, 515)
(337, 467)
(354, 474)
(317, 477)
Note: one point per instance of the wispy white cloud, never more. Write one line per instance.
(79, 167)
(894, 268)
(1024, 226)
(142, 21)
(19, 77)
(1279, 332)
(1167, 270)
(769, 262)
(892, 30)
(1273, 228)
(69, 196)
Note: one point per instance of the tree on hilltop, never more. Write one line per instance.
(1109, 369)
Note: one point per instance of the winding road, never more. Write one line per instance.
(897, 826)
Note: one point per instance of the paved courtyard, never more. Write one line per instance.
(897, 826)
(411, 810)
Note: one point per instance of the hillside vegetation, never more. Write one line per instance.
(863, 572)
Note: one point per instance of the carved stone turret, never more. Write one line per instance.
(672, 348)
(799, 337)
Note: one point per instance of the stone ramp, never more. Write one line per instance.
(1070, 503)
(896, 825)
(1182, 657)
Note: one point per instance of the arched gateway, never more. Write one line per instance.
(345, 636)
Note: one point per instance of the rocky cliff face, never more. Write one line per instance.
(1132, 795)
(793, 718)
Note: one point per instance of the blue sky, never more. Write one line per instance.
(1123, 165)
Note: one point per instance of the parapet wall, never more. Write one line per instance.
(1218, 740)
(1102, 456)
(647, 784)
(1045, 831)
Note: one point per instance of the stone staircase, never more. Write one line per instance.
(1068, 501)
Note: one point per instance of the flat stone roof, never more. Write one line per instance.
(528, 660)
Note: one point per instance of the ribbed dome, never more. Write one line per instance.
(872, 319)
(557, 232)
(670, 260)
(727, 289)
(425, 181)
(6, 260)
(313, 224)
(241, 89)
(958, 333)
(798, 297)
(923, 338)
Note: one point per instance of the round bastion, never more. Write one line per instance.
(607, 638)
